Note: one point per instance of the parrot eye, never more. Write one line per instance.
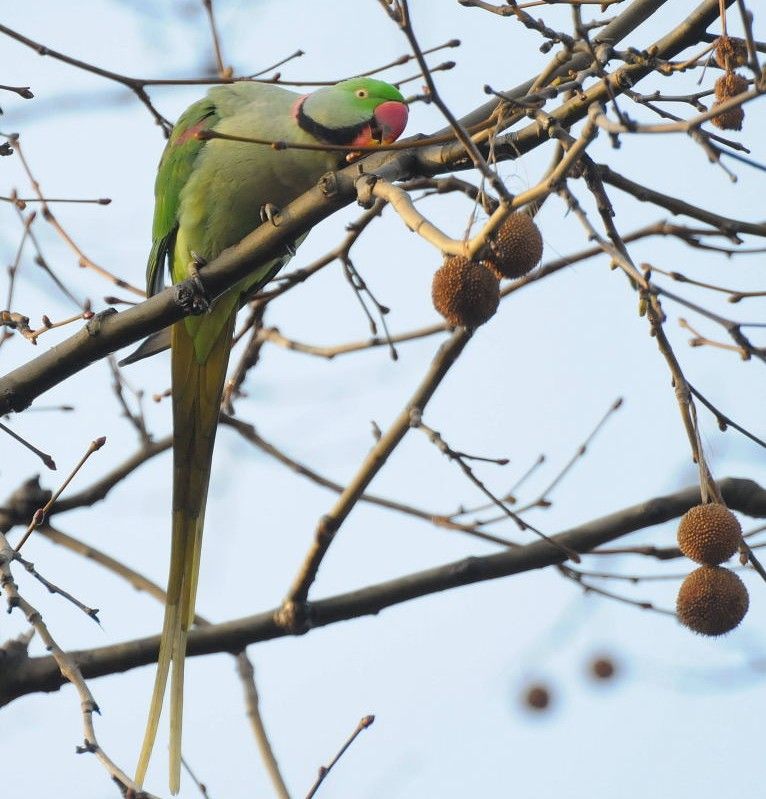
(362, 94)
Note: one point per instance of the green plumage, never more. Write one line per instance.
(208, 196)
(174, 170)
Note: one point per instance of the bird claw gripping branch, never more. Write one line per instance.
(191, 294)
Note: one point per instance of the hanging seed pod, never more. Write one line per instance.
(709, 534)
(466, 293)
(729, 85)
(730, 52)
(712, 601)
(516, 246)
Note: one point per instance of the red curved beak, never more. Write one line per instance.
(391, 116)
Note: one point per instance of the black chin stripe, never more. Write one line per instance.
(335, 135)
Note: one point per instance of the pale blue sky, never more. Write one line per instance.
(442, 674)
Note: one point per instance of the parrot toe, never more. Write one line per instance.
(191, 294)
(269, 213)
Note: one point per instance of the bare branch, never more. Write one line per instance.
(41, 674)
(65, 664)
(113, 331)
(364, 723)
(39, 515)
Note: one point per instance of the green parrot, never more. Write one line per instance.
(210, 195)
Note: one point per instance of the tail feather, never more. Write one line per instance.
(158, 693)
(197, 389)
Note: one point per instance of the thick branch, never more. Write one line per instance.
(110, 332)
(330, 523)
(42, 674)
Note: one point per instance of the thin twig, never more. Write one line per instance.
(400, 13)
(48, 215)
(67, 667)
(43, 264)
(460, 458)
(135, 85)
(247, 676)
(136, 419)
(244, 666)
(723, 420)
(364, 723)
(223, 71)
(91, 613)
(249, 433)
(14, 267)
(643, 604)
(43, 456)
(21, 202)
(39, 515)
(542, 499)
(201, 787)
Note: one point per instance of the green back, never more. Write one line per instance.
(173, 172)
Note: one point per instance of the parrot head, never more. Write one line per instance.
(356, 112)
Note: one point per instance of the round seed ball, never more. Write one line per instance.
(602, 668)
(537, 697)
(709, 534)
(516, 247)
(729, 85)
(730, 119)
(730, 52)
(712, 601)
(465, 292)
(726, 86)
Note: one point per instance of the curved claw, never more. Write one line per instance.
(191, 294)
(269, 213)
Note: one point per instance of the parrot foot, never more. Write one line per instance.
(270, 213)
(191, 295)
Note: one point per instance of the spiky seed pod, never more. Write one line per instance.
(730, 52)
(602, 668)
(709, 534)
(516, 247)
(537, 697)
(712, 601)
(726, 86)
(465, 292)
(731, 119)
(730, 85)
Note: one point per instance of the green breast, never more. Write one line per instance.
(232, 181)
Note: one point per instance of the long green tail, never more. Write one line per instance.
(197, 389)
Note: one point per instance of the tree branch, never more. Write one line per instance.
(33, 675)
(111, 331)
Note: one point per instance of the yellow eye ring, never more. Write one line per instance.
(362, 94)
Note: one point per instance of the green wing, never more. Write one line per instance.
(173, 172)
